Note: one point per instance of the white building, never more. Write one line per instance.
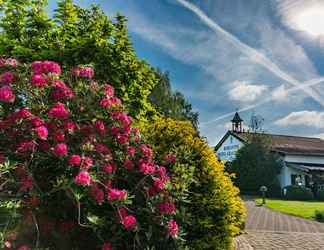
(302, 157)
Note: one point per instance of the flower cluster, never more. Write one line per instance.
(73, 143)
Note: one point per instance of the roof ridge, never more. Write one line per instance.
(295, 136)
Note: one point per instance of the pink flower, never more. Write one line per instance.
(106, 246)
(161, 171)
(51, 67)
(26, 183)
(83, 178)
(116, 194)
(109, 90)
(129, 222)
(8, 62)
(58, 111)
(75, 160)
(6, 94)
(59, 137)
(60, 150)
(37, 67)
(131, 151)
(128, 164)
(69, 126)
(159, 184)
(146, 167)
(122, 138)
(86, 72)
(23, 247)
(173, 228)
(115, 101)
(105, 103)
(170, 158)
(25, 146)
(61, 91)
(101, 148)
(86, 162)
(39, 80)
(97, 194)
(42, 132)
(100, 126)
(108, 168)
(36, 122)
(167, 208)
(7, 77)
(146, 150)
(23, 113)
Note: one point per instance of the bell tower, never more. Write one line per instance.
(237, 123)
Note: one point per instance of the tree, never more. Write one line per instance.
(255, 165)
(78, 36)
(171, 105)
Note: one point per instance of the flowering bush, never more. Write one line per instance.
(73, 167)
(211, 210)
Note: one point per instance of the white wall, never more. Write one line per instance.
(285, 176)
(229, 148)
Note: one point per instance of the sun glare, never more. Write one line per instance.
(311, 21)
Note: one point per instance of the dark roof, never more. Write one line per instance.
(236, 118)
(291, 144)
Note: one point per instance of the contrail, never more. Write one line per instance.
(252, 53)
(292, 89)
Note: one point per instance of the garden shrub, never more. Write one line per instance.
(295, 192)
(211, 210)
(73, 170)
(320, 194)
(319, 215)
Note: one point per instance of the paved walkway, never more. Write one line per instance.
(267, 230)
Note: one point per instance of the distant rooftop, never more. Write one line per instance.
(289, 144)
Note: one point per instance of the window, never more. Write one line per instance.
(293, 179)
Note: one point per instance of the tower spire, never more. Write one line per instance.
(237, 123)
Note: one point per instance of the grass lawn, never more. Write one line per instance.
(305, 209)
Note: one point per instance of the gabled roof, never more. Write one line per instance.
(236, 118)
(236, 135)
(285, 144)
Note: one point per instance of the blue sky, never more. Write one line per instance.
(223, 55)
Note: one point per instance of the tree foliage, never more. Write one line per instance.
(255, 165)
(171, 104)
(74, 36)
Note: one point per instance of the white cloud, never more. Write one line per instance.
(280, 93)
(244, 92)
(302, 118)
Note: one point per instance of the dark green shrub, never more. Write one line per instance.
(320, 195)
(274, 190)
(319, 215)
(255, 165)
(295, 192)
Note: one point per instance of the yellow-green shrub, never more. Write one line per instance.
(212, 212)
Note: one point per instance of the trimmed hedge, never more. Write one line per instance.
(298, 193)
(320, 194)
(212, 211)
(319, 215)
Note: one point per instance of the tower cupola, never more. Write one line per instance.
(237, 123)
